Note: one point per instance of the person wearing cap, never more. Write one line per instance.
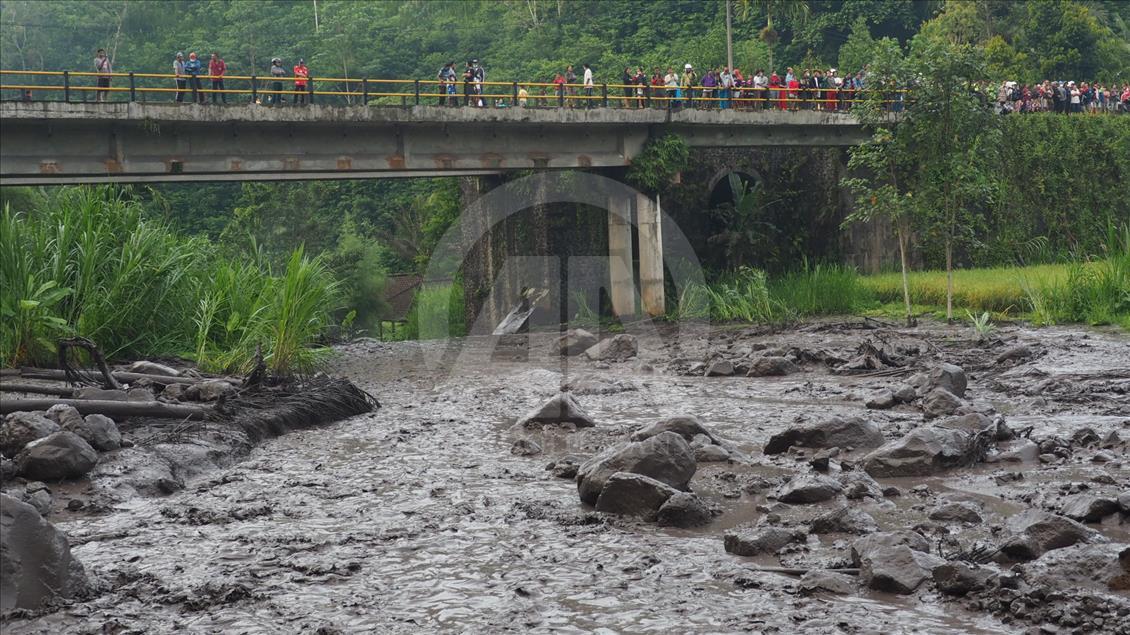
(178, 75)
(687, 84)
(301, 76)
(192, 68)
(277, 73)
(468, 83)
(480, 78)
(216, 70)
(102, 67)
(446, 78)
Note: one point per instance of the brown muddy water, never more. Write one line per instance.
(417, 517)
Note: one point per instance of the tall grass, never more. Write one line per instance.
(437, 311)
(88, 261)
(748, 295)
(1096, 291)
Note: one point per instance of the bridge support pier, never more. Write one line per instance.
(622, 287)
(650, 229)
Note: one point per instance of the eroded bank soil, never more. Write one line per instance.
(418, 518)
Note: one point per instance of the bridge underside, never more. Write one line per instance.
(52, 142)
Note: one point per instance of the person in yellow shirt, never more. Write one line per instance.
(523, 96)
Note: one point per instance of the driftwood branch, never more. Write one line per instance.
(796, 571)
(36, 389)
(95, 354)
(155, 409)
(49, 373)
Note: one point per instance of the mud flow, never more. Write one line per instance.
(436, 513)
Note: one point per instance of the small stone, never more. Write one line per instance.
(720, 368)
(881, 400)
(905, 394)
(891, 491)
(633, 495)
(819, 580)
(1015, 353)
(844, 520)
(940, 402)
(747, 542)
(1088, 508)
(525, 447)
(711, 454)
(684, 510)
(616, 348)
(809, 488)
(959, 578)
(771, 367)
(21, 428)
(562, 408)
(575, 342)
(960, 511)
(59, 456)
(898, 569)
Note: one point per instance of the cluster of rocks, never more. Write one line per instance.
(750, 361)
(56, 445)
(619, 347)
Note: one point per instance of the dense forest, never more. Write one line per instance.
(1045, 181)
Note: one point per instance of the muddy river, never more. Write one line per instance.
(419, 518)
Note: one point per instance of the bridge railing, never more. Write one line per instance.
(83, 86)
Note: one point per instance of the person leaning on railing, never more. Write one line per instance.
(102, 67)
(277, 73)
(192, 68)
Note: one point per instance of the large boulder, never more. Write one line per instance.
(754, 542)
(854, 432)
(100, 432)
(66, 416)
(959, 578)
(686, 426)
(684, 510)
(1032, 533)
(666, 457)
(21, 428)
(866, 546)
(1102, 567)
(820, 580)
(616, 348)
(719, 368)
(940, 402)
(771, 366)
(575, 342)
(809, 488)
(844, 520)
(56, 457)
(633, 495)
(948, 377)
(36, 565)
(897, 569)
(558, 409)
(1088, 508)
(958, 442)
(956, 511)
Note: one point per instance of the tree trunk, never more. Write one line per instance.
(114, 409)
(905, 279)
(949, 279)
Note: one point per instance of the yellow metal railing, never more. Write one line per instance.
(81, 85)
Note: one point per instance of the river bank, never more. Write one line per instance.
(421, 517)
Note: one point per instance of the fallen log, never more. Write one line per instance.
(50, 373)
(113, 409)
(796, 571)
(36, 389)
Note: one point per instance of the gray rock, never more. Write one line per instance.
(7, 469)
(1124, 502)
(958, 511)
(174, 392)
(905, 394)
(144, 394)
(595, 385)
(819, 580)
(666, 457)
(872, 543)
(38, 495)
(711, 454)
(844, 520)
(1024, 451)
(58, 456)
(575, 342)
(958, 442)
(208, 390)
(854, 432)
(1018, 352)
(754, 542)
(153, 368)
(859, 485)
(103, 394)
(100, 432)
(898, 569)
(881, 400)
(36, 565)
(809, 488)
(21, 428)
(1096, 567)
(948, 377)
(633, 495)
(684, 510)
(566, 466)
(771, 366)
(686, 426)
(559, 409)
(616, 348)
(719, 368)
(1032, 533)
(66, 416)
(525, 447)
(940, 402)
(1088, 508)
(959, 578)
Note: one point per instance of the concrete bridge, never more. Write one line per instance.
(57, 142)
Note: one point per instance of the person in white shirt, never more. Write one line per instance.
(588, 86)
(671, 85)
(760, 86)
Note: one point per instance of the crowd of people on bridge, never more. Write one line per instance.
(711, 88)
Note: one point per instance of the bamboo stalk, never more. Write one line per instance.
(156, 409)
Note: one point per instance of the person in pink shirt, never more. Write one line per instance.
(216, 70)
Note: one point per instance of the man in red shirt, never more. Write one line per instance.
(216, 70)
(301, 74)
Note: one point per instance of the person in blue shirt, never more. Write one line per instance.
(192, 68)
